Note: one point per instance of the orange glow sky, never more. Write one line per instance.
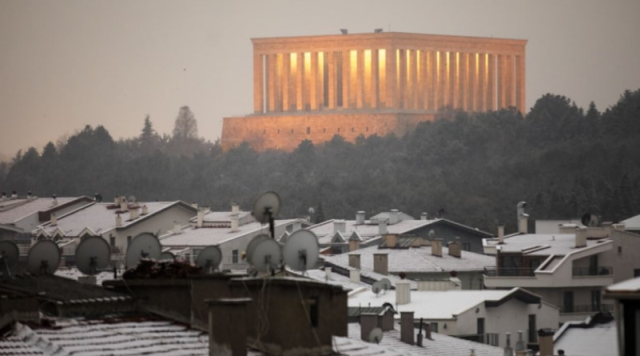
(68, 63)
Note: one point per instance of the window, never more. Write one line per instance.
(234, 256)
(314, 311)
(308, 130)
(480, 326)
(324, 130)
(434, 327)
(112, 241)
(466, 246)
(291, 130)
(568, 302)
(367, 129)
(636, 272)
(593, 265)
(128, 241)
(353, 129)
(338, 129)
(278, 130)
(533, 335)
(595, 300)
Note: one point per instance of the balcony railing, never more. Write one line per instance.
(508, 272)
(489, 338)
(586, 308)
(592, 272)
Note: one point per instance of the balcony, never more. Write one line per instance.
(586, 308)
(508, 272)
(592, 272)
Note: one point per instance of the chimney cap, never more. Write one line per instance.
(545, 332)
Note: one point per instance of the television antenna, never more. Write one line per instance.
(301, 250)
(266, 255)
(376, 288)
(144, 245)
(43, 258)
(266, 208)
(375, 336)
(253, 243)
(209, 258)
(385, 283)
(93, 255)
(9, 255)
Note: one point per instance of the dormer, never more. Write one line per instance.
(86, 232)
(338, 238)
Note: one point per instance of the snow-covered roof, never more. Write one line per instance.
(583, 340)
(628, 286)
(417, 260)
(438, 305)
(632, 223)
(205, 236)
(25, 207)
(73, 273)
(391, 344)
(101, 217)
(552, 226)
(542, 244)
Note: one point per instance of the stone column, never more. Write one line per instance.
(320, 79)
(271, 82)
(422, 81)
(346, 79)
(313, 82)
(482, 83)
(258, 83)
(391, 78)
(509, 85)
(402, 83)
(491, 83)
(464, 81)
(373, 98)
(331, 80)
(452, 78)
(360, 79)
(412, 79)
(286, 75)
(300, 81)
(501, 91)
(442, 77)
(431, 80)
(520, 83)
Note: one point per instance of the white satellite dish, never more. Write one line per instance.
(266, 256)
(144, 245)
(9, 255)
(301, 250)
(209, 258)
(93, 255)
(376, 288)
(375, 336)
(253, 243)
(385, 283)
(43, 258)
(266, 207)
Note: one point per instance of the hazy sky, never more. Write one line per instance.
(65, 64)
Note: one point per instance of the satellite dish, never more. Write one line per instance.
(376, 288)
(253, 243)
(9, 254)
(44, 257)
(209, 258)
(266, 207)
(375, 336)
(385, 283)
(266, 256)
(144, 245)
(93, 255)
(301, 250)
(167, 256)
(589, 219)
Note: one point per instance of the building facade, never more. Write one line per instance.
(315, 87)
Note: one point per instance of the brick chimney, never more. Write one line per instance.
(501, 234)
(581, 237)
(455, 248)
(360, 217)
(436, 247)
(381, 263)
(54, 219)
(354, 275)
(354, 243)
(545, 341)
(403, 292)
(382, 227)
(406, 327)
(227, 326)
(354, 260)
(368, 322)
(391, 240)
(394, 216)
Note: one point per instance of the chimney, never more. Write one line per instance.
(386, 320)
(436, 247)
(427, 331)
(116, 200)
(354, 275)
(354, 260)
(177, 228)
(406, 327)
(381, 263)
(123, 204)
(360, 217)
(545, 341)
(200, 219)
(4, 196)
(455, 248)
(501, 234)
(394, 216)
(227, 326)
(507, 349)
(133, 214)
(14, 195)
(368, 322)
(424, 216)
(29, 196)
(339, 226)
(235, 208)
(234, 223)
(391, 240)
(581, 237)
(145, 210)
(327, 272)
(194, 204)
(382, 227)
(354, 243)
(523, 223)
(55, 200)
(54, 219)
(520, 346)
(608, 229)
(118, 220)
(403, 292)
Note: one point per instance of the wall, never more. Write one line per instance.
(285, 132)
(448, 233)
(623, 256)
(470, 280)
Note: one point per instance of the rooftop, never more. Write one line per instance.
(541, 244)
(632, 223)
(17, 209)
(589, 338)
(418, 260)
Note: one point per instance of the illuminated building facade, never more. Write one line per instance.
(315, 87)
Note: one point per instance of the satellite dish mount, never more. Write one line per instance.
(266, 208)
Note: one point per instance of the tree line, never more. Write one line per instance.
(475, 167)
